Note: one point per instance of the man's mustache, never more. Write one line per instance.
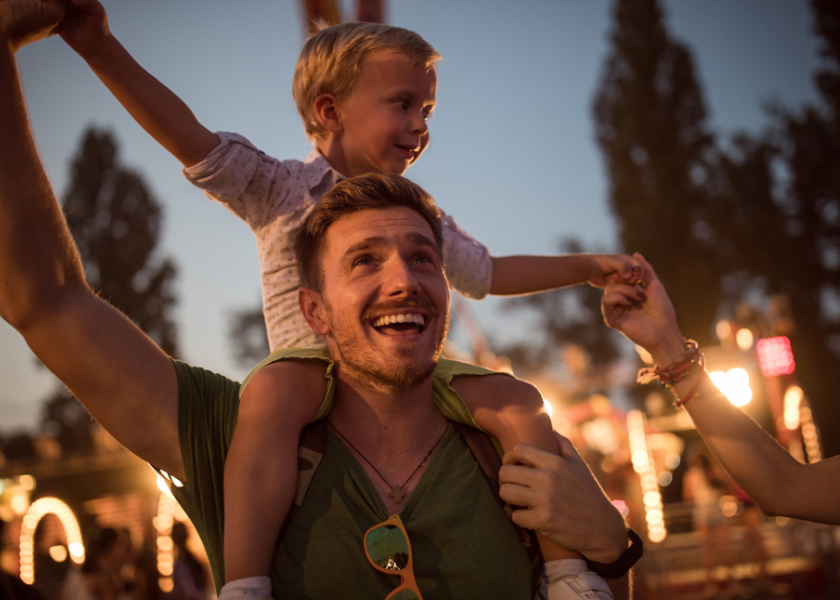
(379, 309)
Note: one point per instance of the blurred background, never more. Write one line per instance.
(705, 135)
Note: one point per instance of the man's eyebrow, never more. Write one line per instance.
(422, 240)
(365, 244)
(373, 241)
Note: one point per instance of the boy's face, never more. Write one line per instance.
(383, 120)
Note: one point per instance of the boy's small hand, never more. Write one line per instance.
(627, 268)
(25, 21)
(85, 26)
(642, 312)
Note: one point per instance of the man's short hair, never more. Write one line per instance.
(370, 191)
(331, 62)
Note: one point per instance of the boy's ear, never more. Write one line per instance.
(313, 310)
(327, 111)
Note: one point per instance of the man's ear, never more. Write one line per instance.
(327, 111)
(313, 310)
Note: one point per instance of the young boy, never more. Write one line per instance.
(364, 92)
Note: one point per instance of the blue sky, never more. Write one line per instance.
(512, 156)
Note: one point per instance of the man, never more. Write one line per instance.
(180, 418)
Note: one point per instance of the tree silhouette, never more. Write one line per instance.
(116, 223)
(781, 217)
(248, 335)
(651, 127)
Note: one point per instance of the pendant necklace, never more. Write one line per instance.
(397, 491)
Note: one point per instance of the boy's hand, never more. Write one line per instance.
(644, 314)
(85, 26)
(25, 21)
(626, 267)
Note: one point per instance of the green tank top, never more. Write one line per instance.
(464, 545)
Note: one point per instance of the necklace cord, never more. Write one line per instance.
(432, 449)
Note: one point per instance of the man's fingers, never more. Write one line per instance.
(567, 449)
(529, 455)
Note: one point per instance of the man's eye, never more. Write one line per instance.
(424, 259)
(362, 261)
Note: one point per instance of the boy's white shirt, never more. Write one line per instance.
(274, 198)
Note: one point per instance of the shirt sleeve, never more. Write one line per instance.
(469, 268)
(251, 184)
(207, 411)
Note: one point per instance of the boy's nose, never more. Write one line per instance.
(419, 124)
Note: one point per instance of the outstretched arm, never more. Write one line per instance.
(777, 483)
(518, 275)
(155, 107)
(125, 381)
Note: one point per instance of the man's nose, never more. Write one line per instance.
(399, 279)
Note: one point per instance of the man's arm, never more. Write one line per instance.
(518, 275)
(563, 501)
(155, 107)
(125, 381)
(777, 483)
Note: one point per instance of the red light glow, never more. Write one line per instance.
(775, 356)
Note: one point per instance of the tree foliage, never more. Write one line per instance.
(651, 126)
(248, 335)
(781, 201)
(116, 223)
(761, 213)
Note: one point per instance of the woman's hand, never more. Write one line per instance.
(644, 314)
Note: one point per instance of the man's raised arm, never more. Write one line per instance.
(125, 381)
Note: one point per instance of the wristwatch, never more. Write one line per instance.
(624, 563)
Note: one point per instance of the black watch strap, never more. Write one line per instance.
(624, 563)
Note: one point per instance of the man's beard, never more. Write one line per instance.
(359, 361)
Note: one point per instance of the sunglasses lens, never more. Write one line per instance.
(404, 595)
(388, 548)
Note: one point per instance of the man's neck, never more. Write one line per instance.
(381, 414)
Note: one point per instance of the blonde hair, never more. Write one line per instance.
(331, 62)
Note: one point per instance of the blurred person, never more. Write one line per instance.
(702, 485)
(146, 575)
(98, 578)
(188, 575)
(11, 587)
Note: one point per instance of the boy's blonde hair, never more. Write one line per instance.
(331, 62)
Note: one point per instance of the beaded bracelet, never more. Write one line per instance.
(677, 371)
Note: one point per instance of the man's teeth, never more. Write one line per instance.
(409, 318)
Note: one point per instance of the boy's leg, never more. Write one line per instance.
(261, 467)
(513, 412)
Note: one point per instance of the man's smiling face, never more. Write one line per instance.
(385, 297)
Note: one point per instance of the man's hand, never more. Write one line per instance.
(627, 268)
(25, 21)
(85, 26)
(562, 500)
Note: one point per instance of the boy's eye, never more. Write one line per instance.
(402, 104)
(428, 114)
